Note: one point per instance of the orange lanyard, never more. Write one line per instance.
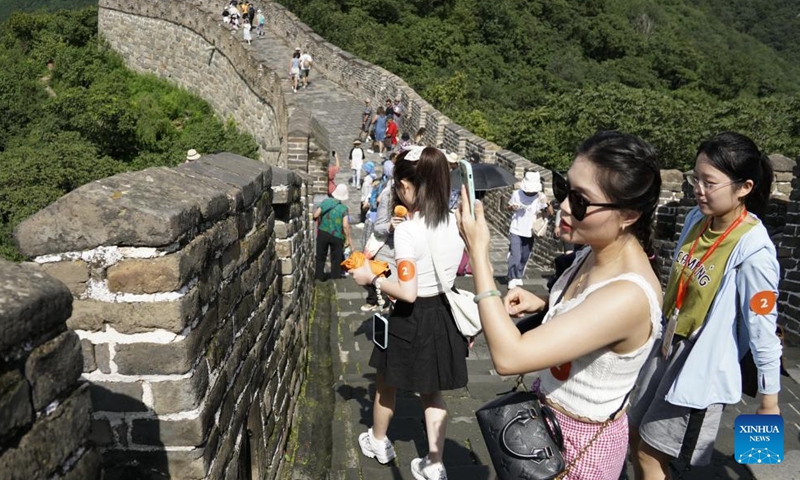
(683, 283)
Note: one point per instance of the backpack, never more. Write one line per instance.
(307, 61)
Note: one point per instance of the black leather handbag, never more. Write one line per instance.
(523, 437)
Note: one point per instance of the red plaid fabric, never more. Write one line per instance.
(605, 458)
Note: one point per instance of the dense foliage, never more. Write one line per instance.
(536, 76)
(87, 118)
(7, 7)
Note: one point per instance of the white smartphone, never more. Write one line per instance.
(469, 182)
(380, 331)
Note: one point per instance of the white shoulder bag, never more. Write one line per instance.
(465, 310)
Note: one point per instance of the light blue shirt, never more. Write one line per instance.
(711, 373)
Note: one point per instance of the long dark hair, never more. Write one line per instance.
(430, 177)
(739, 158)
(628, 174)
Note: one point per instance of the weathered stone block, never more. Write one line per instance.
(54, 367)
(230, 259)
(134, 209)
(89, 362)
(38, 455)
(287, 283)
(163, 274)
(180, 395)
(100, 433)
(153, 358)
(254, 244)
(41, 300)
(127, 464)
(86, 468)
(168, 432)
(117, 397)
(173, 316)
(74, 274)
(284, 248)
(103, 357)
(15, 404)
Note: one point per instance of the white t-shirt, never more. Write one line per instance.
(411, 242)
(356, 159)
(522, 218)
(306, 61)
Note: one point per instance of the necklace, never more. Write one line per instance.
(579, 286)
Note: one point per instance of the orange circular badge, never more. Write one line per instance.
(406, 270)
(763, 303)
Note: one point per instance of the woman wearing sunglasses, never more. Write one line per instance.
(595, 338)
(720, 301)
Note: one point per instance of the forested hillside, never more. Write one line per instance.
(7, 7)
(536, 76)
(87, 118)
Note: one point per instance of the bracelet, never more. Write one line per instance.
(489, 293)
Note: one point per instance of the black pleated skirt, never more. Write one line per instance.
(426, 352)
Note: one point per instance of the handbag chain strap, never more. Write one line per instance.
(583, 450)
(594, 438)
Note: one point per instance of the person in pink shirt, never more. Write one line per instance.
(333, 169)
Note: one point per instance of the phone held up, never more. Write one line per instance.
(380, 331)
(469, 183)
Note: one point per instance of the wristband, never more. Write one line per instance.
(489, 293)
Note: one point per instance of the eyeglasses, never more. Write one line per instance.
(707, 187)
(577, 203)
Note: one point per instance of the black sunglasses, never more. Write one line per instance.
(577, 203)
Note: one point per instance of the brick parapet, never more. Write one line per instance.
(183, 339)
(44, 407)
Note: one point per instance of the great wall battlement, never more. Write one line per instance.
(191, 286)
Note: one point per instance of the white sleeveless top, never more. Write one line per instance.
(599, 381)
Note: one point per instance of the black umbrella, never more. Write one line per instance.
(487, 176)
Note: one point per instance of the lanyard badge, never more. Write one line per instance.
(683, 281)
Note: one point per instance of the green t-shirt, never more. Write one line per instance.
(703, 286)
(331, 219)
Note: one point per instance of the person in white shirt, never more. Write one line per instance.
(526, 203)
(426, 352)
(305, 67)
(356, 162)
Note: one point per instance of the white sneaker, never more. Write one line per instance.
(423, 469)
(369, 308)
(383, 452)
(513, 283)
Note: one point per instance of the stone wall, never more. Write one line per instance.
(188, 47)
(44, 407)
(191, 288)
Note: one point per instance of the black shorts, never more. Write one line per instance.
(304, 72)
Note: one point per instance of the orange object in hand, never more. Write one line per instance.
(400, 211)
(357, 259)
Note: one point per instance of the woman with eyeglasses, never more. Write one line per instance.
(720, 302)
(605, 312)
(426, 353)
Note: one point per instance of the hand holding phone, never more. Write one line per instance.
(469, 183)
